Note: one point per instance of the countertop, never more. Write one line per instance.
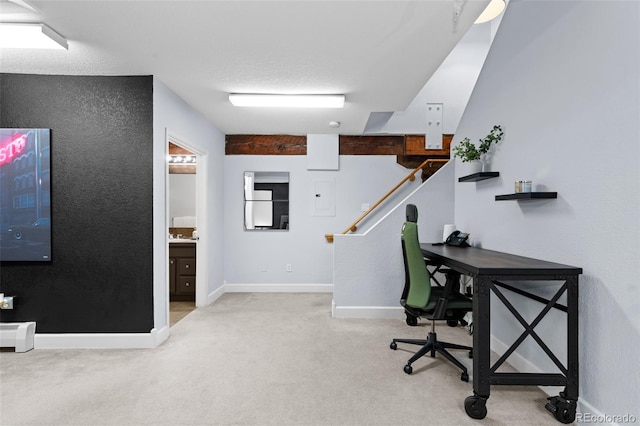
(181, 240)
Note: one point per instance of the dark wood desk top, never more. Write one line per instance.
(477, 261)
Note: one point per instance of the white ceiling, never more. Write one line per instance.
(379, 54)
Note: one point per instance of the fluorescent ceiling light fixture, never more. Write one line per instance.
(494, 9)
(286, 101)
(30, 36)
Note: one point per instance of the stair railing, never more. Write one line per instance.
(410, 177)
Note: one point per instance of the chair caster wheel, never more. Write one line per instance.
(408, 369)
(471, 354)
(393, 345)
(564, 410)
(452, 323)
(564, 416)
(475, 407)
(411, 320)
(464, 376)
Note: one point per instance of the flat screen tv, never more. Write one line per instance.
(25, 195)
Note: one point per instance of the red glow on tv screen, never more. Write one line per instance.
(25, 195)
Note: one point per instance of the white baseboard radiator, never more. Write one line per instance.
(17, 335)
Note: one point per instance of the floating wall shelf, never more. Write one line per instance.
(527, 196)
(479, 176)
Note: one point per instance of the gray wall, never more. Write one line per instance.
(260, 257)
(562, 79)
(173, 115)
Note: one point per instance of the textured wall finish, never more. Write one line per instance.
(567, 99)
(101, 275)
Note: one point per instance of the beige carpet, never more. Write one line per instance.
(256, 359)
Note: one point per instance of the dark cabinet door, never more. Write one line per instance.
(182, 271)
(186, 266)
(186, 285)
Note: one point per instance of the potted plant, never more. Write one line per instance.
(470, 153)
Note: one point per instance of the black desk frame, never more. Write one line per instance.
(488, 278)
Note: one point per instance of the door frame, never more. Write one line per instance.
(202, 247)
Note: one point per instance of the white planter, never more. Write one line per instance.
(471, 167)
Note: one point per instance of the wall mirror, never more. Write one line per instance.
(266, 201)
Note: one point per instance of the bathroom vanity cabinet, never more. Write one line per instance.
(182, 271)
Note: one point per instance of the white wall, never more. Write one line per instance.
(562, 80)
(369, 271)
(451, 85)
(260, 257)
(171, 113)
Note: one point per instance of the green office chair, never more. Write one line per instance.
(434, 303)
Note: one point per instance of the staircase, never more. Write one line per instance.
(414, 155)
(368, 271)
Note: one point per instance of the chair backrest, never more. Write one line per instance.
(417, 274)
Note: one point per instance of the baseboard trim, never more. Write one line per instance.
(587, 413)
(365, 312)
(102, 340)
(156, 337)
(522, 364)
(278, 288)
(215, 295)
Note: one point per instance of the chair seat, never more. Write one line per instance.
(457, 302)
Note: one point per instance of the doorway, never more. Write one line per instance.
(185, 222)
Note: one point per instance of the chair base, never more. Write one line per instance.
(432, 345)
(453, 321)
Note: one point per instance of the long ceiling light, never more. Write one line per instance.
(286, 101)
(492, 11)
(30, 36)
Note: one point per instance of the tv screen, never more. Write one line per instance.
(25, 195)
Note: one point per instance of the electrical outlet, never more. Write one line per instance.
(289, 269)
(6, 302)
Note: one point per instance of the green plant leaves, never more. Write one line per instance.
(467, 151)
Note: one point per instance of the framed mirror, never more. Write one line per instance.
(266, 201)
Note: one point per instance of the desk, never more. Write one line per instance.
(488, 269)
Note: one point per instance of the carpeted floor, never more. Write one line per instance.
(257, 359)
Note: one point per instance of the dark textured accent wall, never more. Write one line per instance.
(100, 279)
